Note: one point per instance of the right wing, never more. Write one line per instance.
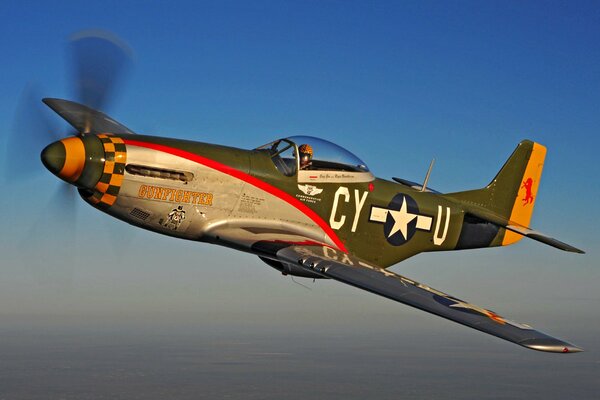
(352, 271)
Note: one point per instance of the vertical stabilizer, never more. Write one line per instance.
(512, 194)
(522, 208)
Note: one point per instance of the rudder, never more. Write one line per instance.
(522, 208)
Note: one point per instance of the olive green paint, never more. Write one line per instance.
(368, 242)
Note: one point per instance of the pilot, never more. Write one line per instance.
(306, 155)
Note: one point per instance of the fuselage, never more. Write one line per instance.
(239, 198)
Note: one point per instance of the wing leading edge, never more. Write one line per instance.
(377, 280)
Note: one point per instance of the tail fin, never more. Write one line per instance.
(508, 200)
(511, 195)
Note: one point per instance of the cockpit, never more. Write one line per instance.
(316, 160)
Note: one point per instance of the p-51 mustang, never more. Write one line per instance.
(306, 207)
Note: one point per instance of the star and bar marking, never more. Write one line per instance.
(404, 219)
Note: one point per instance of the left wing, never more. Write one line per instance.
(352, 271)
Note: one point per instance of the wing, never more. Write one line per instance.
(85, 119)
(352, 271)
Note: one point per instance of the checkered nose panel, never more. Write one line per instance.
(107, 188)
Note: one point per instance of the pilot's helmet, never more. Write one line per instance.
(306, 149)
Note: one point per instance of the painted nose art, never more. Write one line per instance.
(65, 158)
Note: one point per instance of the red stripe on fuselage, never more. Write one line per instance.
(246, 178)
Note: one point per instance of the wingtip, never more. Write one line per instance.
(551, 346)
(573, 349)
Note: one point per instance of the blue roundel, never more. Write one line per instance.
(401, 220)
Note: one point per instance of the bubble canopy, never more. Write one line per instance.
(327, 156)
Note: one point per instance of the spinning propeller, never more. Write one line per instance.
(99, 60)
(98, 63)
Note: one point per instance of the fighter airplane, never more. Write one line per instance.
(305, 206)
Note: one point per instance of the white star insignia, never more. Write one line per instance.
(401, 220)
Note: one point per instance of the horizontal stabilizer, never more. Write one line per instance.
(540, 237)
(512, 226)
(85, 119)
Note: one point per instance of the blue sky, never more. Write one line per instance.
(397, 83)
